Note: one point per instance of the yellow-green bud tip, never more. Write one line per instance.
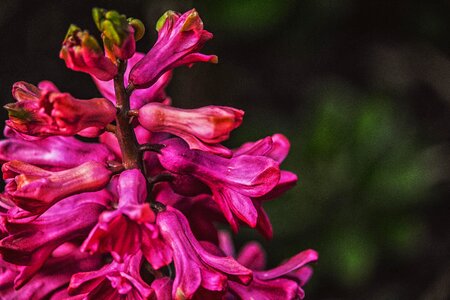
(139, 28)
(163, 18)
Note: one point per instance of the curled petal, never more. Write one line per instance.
(195, 267)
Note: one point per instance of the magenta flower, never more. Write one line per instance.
(113, 281)
(132, 212)
(195, 266)
(55, 152)
(154, 93)
(179, 39)
(282, 282)
(35, 189)
(198, 127)
(51, 113)
(31, 244)
(81, 52)
(232, 181)
(131, 227)
(54, 276)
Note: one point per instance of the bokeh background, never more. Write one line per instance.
(362, 89)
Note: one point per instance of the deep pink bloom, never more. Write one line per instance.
(179, 39)
(282, 282)
(131, 226)
(196, 267)
(162, 288)
(81, 52)
(275, 147)
(113, 281)
(55, 153)
(53, 276)
(45, 113)
(35, 189)
(201, 128)
(233, 181)
(154, 93)
(31, 244)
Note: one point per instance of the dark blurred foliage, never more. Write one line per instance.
(362, 89)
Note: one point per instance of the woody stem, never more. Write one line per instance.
(124, 130)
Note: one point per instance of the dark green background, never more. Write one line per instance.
(361, 89)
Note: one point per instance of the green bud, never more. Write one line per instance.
(73, 29)
(113, 25)
(139, 28)
(163, 18)
(98, 15)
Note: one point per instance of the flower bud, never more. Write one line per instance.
(205, 125)
(179, 39)
(119, 33)
(81, 52)
(35, 189)
(44, 113)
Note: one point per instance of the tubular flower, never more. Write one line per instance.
(131, 226)
(55, 152)
(282, 282)
(133, 213)
(35, 189)
(113, 281)
(179, 39)
(44, 113)
(195, 266)
(232, 181)
(198, 127)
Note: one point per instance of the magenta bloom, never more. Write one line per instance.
(198, 127)
(154, 93)
(131, 227)
(35, 189)
(195, 266)
(55, 152)
(179, 39)
(120, 197)
(233, 182)
(282, 282)
(31, 244)
(113, 281)
(81, 52)
(45, 113)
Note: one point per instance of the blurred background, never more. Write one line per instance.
(362, 89)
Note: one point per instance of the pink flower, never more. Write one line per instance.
(282, 282)
(31, 244)
(275, 147)
(44, 113)
(35, 189)
(55, 153)
(201, 128)
(113, 281)
(131, 226)
(53, 276)
(196, 267)
(81, 52)
(179, 39)
(154, 93)
(233, 181)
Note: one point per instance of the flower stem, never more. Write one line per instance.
(124, 130)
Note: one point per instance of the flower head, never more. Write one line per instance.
(81, 52)
(179, 39)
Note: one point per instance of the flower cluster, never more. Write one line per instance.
(131, 211)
